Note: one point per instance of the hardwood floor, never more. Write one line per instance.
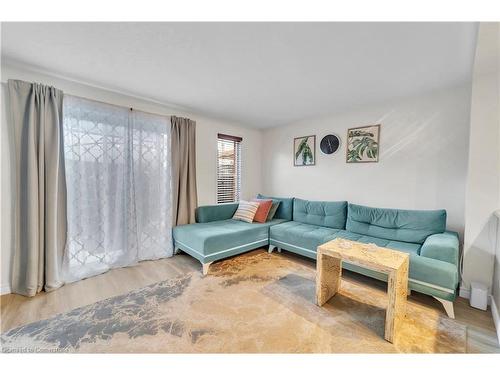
(18, 310)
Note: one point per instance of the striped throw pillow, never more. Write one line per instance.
(246, 211)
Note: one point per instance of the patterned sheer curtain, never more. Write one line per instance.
(119, 187)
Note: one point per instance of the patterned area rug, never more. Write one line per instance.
(256, 302)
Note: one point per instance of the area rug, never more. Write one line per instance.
(252, 303)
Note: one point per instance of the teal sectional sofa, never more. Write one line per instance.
(300, 226)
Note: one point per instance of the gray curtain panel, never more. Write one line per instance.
(184, 195)
(40, 213)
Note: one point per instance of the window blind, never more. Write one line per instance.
(228, 168)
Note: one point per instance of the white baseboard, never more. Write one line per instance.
(496, 317)
(464, 292)
(4, 289)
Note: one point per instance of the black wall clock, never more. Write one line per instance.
(329, 144)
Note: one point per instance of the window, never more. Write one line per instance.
(118, 187)
(228, 168)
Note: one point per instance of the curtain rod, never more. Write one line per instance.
(111, 104)
(117, 105)
(51, 74)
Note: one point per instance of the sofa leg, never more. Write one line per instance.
(177, 251)
(205, 267)
(279, 249)
(448, 307)
(271, 248)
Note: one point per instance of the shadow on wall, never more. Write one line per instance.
(410, 137)
(434, 160)
(480, 255)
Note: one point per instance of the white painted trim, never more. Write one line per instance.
(5, 289)
(190, 248)
(464, 292)
(222, 251)
(297, 247)
(496, 317)
(434, 286)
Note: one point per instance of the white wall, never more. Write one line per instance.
(496, 273)
(482, 227)
(206, 148)
(423, 156)
(483, 180)
(495, 298)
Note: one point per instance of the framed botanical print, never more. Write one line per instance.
(363, 144)
(304, 151)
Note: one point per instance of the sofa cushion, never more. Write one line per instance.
(327, 214)
(272, 211)
(310, 237)
(406, 247)
(442, 246)
(216, 236)
(215, 212)
(285, 208)
(263, 210)
(246, 211)
(301, 235)
(392, 224)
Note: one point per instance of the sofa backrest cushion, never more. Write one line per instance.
(326, 214)
(215, 212)
(392, 224)
(285, 207)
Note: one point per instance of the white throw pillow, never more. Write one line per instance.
(246, 211)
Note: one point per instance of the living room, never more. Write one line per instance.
(250, 187)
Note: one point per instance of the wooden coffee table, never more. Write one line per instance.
(394, 263)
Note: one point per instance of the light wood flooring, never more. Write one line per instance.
(18, 310)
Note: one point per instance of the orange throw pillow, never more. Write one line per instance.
(263, 210)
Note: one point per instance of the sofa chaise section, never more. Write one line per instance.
(215, 235)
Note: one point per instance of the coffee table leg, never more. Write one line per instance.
(397, 290)
(328, 273)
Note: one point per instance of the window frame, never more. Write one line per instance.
(238, 140)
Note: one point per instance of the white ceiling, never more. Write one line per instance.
(259, 74)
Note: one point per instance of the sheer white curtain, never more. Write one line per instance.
(119, 187)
